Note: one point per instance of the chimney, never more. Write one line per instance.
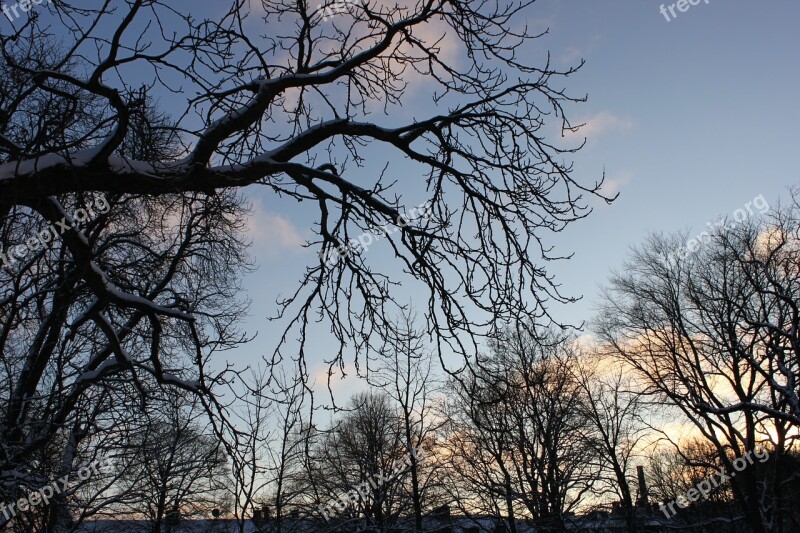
(643, 499)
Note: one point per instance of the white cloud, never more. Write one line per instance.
(600, 124)
(273, 231)
(612, 185)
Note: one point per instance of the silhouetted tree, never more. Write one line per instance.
(714, 335)
(176, 467)
(406, 372)
(360, 466)
(519, 432)
(613, 408)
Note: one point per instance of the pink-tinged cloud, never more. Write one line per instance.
(342, 388)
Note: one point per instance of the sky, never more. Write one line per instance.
(689, 119)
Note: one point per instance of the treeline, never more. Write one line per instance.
(691, 373)
(544, 432)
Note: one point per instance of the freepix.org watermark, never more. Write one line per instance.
(46, 236)
(704, 488)
(360, 492)
(739, 216)
(363, 242)
(338, 7)
(44, 494)
(22, 5)
(681, 5)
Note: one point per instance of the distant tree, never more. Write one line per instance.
(406, 373)
(672, 471)
(714, 334)
(176, 468)
(268, 464)
(613, 408)
(519, 430)
(360, 467)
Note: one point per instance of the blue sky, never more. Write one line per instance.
(699, 118)
(706, 118)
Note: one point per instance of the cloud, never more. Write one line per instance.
(342, 388)
(587, 341)
(273, 231)
(571, 56)
(613, 184)
(600, 124)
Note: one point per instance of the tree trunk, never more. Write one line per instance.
(512, 522)
(416, 497)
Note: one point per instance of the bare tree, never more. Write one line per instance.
(520, 429)
(360, 467)
(176, 467)
(478, 446)
(674, 471)
(613, 407)
(68, 353)
(714, 335)
(407, 374)
(269, 463)
(146, 290)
